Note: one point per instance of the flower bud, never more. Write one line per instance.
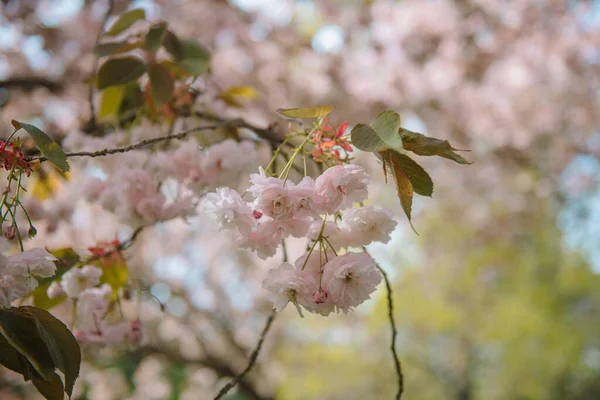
(320, 296)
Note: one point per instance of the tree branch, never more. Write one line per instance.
(394, 332)
(29, 83)
(251, 361)
(131, 147)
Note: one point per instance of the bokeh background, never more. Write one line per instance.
(499, 295)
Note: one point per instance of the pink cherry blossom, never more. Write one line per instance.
(305, 202)
(341, 186)
(350, 279)
(76, 280)
(364, 225)
(229, 210)
(287, 284)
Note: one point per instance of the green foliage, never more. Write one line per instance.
(386, 126)
(21, 333)
(52, 389)
(306, 113)
(385, 137)
(155, 36)
(124, 99)
(404, 187)
(427, 146)
(113, 48)
(111, 102)
(365, 138)
(194, 58)
(114, 272)
(49, 148)
(61, 344)
(162, 84)
(119, 71)
(125, 21)
(34, 343)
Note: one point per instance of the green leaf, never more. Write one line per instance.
(112, 48)
(155, 37)
(49, 148)
(125, 21)
(404, 186)
(386, 125)
(61, 343)
(427, 146)
(51, 389)
(162, 84)
(419, 178)
(310, 112)
(119, 71)
(9, 356)
(234, 94)
(194, 57)
(111, 101)
(114, 272)
(21, 333)
(173, 45)
(365, 138)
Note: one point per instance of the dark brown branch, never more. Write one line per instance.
(394, 332)
(131, 147)
(251, 361)
(29, 83)
(95, 66)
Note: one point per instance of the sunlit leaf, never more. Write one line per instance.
(386, 125)
(113, 48)
(43, 183)
(111, 101)
(60, 342)
(234, 94)
(21, 333)
(155, 37)
(49, 148)
(419, 178)
(125, 20)
(310, 112)
(114, 272)
(365, 138)
(403, 185)
(428, 146)
(119, 71)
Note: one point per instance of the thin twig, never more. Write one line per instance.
(394, 332)
(135, 146)
(95, 67)
(252, 359)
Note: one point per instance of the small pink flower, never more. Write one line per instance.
(320, 296)
(350, 279)
(341, 186)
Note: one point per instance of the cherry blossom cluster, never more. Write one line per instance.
(82, 285)
(143, 192)
(322, 280)
(18, 272)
